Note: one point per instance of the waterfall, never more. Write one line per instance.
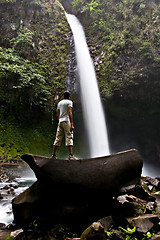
(91, 102)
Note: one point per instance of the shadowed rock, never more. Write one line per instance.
(75, 189)
(144, 223)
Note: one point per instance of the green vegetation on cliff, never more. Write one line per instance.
(33, 54)
(125, 44)
(23, 83)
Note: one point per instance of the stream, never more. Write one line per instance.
(9, 189)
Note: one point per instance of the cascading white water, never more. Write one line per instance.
(22, 183)
(91, 102)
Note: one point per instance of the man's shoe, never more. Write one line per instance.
(53, 156)
(72, 157)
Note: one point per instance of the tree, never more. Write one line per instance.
(22, 82)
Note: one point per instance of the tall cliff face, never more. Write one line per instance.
(67, 4)
(36, 31)
(123, 37)
(37, 16)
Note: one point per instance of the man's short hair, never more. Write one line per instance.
(66, 95)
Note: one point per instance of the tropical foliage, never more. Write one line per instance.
(32, 56)
(33, 53)
(22, 82)
(126, 36)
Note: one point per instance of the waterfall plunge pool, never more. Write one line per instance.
(9, 189)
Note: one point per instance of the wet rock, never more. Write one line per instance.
(153, 184)
(135, 189)
(148, 192)
(117, 235)
(154, 196)
(6, 187)
(4, 177)
(153, 181)
(131, 206)
(16, 232)
(144, 223)
(106, 222)
(11, 191)
(130, 198)
(15, 186)
(94, 231)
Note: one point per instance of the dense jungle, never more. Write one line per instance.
(37, 58)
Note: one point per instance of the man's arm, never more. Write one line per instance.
(58, 114)
(70, 117)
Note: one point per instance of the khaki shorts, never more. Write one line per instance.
(64, 129)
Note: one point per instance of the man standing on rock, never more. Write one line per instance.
(65, 126)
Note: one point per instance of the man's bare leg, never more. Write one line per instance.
(70, 150)
(54, 151)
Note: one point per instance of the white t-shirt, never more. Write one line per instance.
(63, 107)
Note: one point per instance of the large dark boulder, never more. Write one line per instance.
(76, 191)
